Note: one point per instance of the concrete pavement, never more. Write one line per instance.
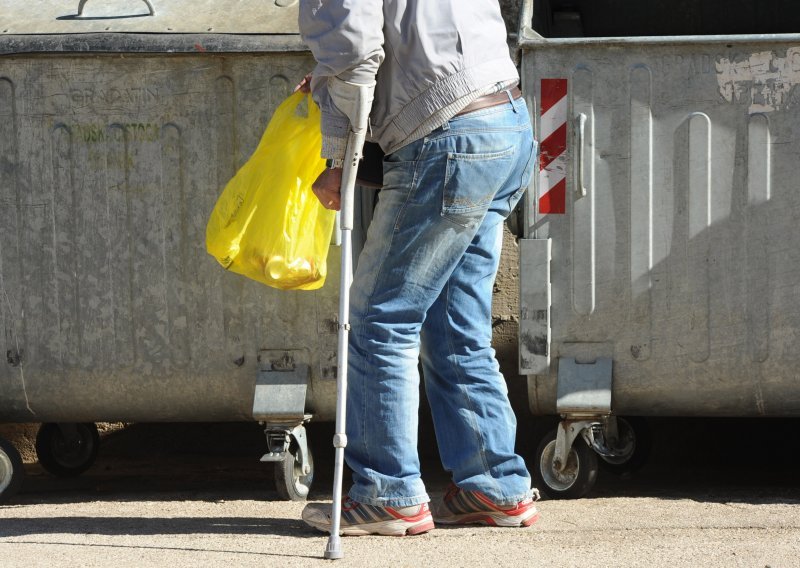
(165, 507)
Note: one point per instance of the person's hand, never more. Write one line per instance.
(304, 86)
(328, 188)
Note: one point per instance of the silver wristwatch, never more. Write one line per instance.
(332, 164)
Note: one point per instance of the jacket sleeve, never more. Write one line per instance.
(346, 39)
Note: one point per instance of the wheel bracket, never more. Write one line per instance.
(584, 401)
(603, 437)
(566, 433)
(279, 439)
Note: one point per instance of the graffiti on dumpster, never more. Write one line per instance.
(124, 97)
(134, 132)
(763, 78)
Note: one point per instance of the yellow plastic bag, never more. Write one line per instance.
(267, 224)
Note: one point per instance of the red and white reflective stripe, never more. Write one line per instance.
(553, 146)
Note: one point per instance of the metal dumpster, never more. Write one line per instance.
(659, 261)
(120, 122)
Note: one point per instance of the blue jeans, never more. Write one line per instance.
(422, 290)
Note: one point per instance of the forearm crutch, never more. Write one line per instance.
(359, 99)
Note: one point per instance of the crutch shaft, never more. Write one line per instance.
(356, 101)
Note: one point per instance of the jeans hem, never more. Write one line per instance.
(510, 501)
(500, 500)
(390, 501)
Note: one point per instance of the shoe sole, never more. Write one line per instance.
(489, 519)
(382, 528)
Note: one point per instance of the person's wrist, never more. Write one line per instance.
(334, 163)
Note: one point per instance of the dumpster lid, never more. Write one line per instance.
(34, 17)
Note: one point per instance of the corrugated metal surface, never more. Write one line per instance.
(682, 258)
(169, 17)
(110, 308)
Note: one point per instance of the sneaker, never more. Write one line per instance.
(360, 519)
(461, 507)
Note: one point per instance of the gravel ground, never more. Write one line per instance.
(163, 507)
(171, 529)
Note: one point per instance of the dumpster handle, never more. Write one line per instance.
(149, 6)
(581, 158)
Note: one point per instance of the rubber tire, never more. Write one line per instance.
(289, 481)
(62, 461)
(582, 460)
(11, 470)
(641, 451)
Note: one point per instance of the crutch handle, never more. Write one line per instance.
(355, 101)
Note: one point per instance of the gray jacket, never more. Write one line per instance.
(424, 55)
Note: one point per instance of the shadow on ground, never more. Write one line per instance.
(754, 461)
(155, 526)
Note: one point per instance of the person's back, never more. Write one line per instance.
(427, 58)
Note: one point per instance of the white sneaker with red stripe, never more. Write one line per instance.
(359, 519)
(461, 507)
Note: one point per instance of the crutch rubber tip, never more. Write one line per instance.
(334, 549)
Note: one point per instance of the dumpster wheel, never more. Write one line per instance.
(67, 450)
(11, 470)
(578, 476)
(291, 483)
(635, 441)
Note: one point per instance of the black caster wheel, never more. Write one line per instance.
(67, 455)
(633, 445)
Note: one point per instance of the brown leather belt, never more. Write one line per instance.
(487, 101)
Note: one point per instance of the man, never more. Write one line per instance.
(459, 155)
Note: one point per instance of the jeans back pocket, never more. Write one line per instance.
(471, 182)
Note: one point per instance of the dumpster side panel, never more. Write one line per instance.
(110, 167)
(10, 298)
(683, 253)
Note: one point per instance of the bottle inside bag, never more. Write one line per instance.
(297, 271)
